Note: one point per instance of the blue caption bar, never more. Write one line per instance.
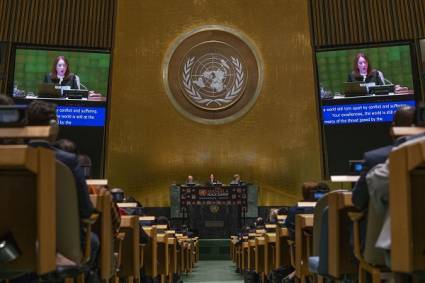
(81, 116)
(362, 113)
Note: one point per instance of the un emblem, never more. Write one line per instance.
(212, 74)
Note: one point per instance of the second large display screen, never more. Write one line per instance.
(360, 89)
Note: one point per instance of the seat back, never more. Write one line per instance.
(103, 203)
(323, 268)
(27, 192)
(130, 248)
(341, 260)
(321, 204)
(67, 213)
(375, 220)
(407, 211)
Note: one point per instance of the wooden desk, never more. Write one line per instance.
(28, 210)
(130, 248)
(103, 203)
(303, 222)
(340, 251)
(151, 252)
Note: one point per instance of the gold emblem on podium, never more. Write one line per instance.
(212, 74)
(214, 208)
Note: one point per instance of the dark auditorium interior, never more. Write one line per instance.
(226, 141)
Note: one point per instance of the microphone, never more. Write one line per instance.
(83, 86)
(388, 82)
(77, 78)
(384, 80)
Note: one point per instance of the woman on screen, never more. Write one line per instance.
(61, 74)
(363, 72)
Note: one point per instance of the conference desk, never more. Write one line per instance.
(214, 211)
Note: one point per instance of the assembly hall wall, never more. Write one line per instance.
(275, 145)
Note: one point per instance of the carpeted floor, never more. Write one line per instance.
(211, 271)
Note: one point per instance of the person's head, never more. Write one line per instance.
(404, 116)
(60, 67)
(86, 164)
(41, 113)
(259, 223)
(6, 100)
(66, 145)
(211, 177)
(190, 179)
(309, 188)
(162, 220)
(361, 64)
(273, 215)
(236, 178)
(117, 194)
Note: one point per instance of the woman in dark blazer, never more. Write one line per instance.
(363, 71)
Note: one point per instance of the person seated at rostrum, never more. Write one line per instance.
(190, 181)
(212, 181)
(236, 181)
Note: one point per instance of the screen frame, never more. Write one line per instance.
(413, 45)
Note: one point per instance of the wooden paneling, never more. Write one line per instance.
(346, 22)
(79, 23)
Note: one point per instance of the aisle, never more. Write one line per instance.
(210, 271)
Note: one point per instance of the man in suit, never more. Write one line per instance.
(403, 117)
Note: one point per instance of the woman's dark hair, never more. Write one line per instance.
(404, 116)
(356, 60)
(162, 220)
(55, 63)
(41, 113)
(66, 145)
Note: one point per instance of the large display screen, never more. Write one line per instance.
(32, 66)
(77, 82)
(360, 88)
(88, 76)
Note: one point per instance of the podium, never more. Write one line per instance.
(213, 211)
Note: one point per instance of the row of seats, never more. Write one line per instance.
(327, 243)
(40, 224)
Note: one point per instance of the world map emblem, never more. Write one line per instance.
(213, 81)
(212, 74)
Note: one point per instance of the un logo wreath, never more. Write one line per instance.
(213, 74)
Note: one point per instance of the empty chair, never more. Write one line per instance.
(318, 260)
